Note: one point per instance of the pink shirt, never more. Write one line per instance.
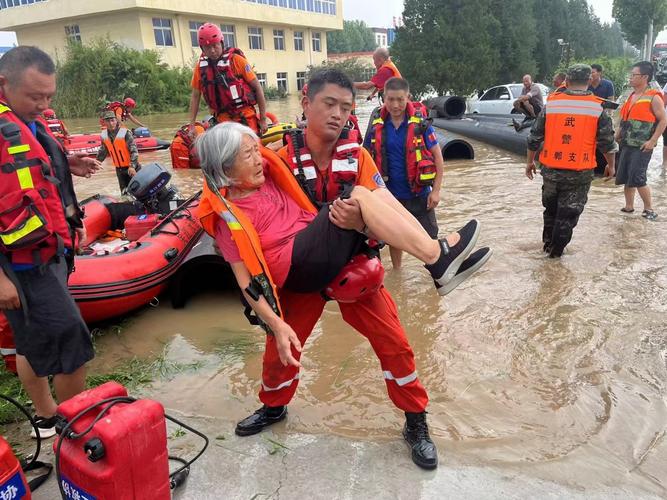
(277, 218)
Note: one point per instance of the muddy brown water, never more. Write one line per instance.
(554, 367)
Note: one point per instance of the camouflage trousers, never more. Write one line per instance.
(564, 195)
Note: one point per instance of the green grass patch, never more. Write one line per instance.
(132, 373)
(236, 348)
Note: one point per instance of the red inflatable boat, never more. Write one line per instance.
(90, 143)
(129, 256)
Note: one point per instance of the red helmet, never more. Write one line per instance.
(49, 114)
(209, 34)
(129, 103)
(362, 276)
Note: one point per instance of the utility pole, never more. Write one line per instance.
(649, 45)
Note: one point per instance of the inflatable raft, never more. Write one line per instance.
(132, 248)
(90, 143)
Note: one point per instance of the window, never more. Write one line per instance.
(317, 42)
(298, 40)
(194, 32)
(319, 6)
(228, 34)
(72, 33)
(261, 78)
(279, 39)
(300, 79)
(162, 31)
(503, 93)
(5, 4)
(490, 94)
(255, 38)
(281, 80)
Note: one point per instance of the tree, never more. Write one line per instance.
(515, 38)
(634, 16)
(355, 37)
(447, 45)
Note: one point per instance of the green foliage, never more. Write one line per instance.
(274, 93)
(615, 69)
(91, 75)
(357, 69)
(460, 46)
(355, 37)
(634, 17)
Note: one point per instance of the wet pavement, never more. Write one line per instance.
(546, 377)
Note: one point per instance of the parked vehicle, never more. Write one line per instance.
(500, 100)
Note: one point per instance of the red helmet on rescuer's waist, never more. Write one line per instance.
(209, 34)
(360, 277)
(49, 114)
(129, 102)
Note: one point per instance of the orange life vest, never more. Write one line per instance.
(33, 224)
(223, 91)
(118, 150)
(637, 118)
(215, 206)
(571, 131)
(341, 173)
(392, 67)
(419, 163)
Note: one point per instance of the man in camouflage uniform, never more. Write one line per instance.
(567, 162)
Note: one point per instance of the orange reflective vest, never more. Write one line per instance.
(637, 118)
(341, 173)
(392, 67)
(215, 206)
(33, 224)
(118, 150)
(419, 163)
(571, 131)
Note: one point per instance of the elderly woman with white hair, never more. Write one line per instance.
(304, 250)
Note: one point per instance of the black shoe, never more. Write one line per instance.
(46, 427)
(263, 417)
(474, 261)
(451, 258)
(546, 247)
(415, 432)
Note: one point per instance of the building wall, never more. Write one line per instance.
(131, 24)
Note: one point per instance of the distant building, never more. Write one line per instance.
(381, 39)
(280, 37)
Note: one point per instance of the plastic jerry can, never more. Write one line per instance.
(123, 457)
(13, 485)
(138, 225)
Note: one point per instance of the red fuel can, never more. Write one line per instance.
(12, 481)
(123, 457)
(138, 225)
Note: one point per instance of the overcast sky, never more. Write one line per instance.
(379, 13)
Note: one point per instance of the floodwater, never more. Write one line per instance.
(555, 368)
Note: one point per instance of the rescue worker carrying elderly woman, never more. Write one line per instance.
(229, 86)
(286, 254)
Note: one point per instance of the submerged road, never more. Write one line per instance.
(546, 377)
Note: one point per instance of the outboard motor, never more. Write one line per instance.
(141, 132)
(150, 187)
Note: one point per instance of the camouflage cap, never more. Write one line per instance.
(108, 114)
(579, 72)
